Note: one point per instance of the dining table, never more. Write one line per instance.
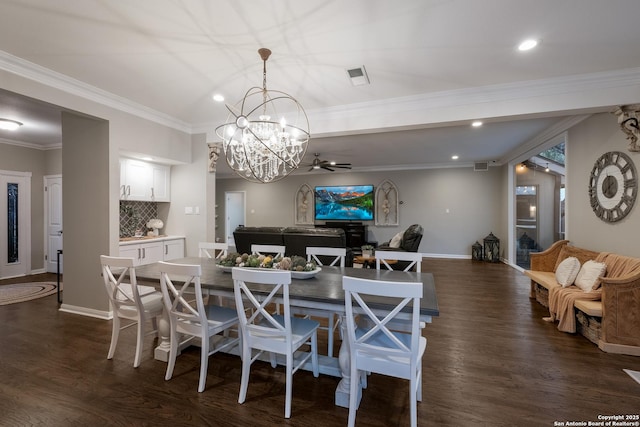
(317, 290)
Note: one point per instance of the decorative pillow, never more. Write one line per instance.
(588, 278)
(567, 271)
(396, 241)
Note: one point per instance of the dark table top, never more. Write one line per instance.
(324, 288)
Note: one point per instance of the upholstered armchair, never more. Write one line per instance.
(410, 242)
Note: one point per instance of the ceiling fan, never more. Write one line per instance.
(327, 165)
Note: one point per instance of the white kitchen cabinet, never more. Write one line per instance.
(173, 249)
(143, 253)
(145, 182)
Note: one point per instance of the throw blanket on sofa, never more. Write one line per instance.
(561, 302)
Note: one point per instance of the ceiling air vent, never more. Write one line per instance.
(358, 76)
(481, 166)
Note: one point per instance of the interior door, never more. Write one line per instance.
(234, 213)
(15, 224)
(53, 221)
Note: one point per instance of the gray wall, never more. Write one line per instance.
(189, 188)
(586, 142)
(85, 199)
(474, 201)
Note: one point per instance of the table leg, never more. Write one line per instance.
(344, 361)
(161, 352)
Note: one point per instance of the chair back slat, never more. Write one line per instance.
(122, 292)
(339, 255)
(207, 250)
(261, 323)
(380, 339)
(275, 250)
(415, 259)
(180, 283)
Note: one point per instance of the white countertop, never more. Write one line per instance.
(147, 239)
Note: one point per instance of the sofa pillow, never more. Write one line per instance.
(396, 240)
(567, 271)
(588, 278)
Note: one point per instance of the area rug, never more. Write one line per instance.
(20, 292)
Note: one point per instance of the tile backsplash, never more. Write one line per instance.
(134, 215)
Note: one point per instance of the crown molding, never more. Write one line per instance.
(31, 145)
(45, 76)
(423, 110)
(534, 145)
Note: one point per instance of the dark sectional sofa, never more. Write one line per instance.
(294, 239)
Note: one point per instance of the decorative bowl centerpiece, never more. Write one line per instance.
(299, 266)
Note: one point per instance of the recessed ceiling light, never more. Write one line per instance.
(455, 157)
(528, 44)
(9, 124)
(218, 98)
(476, 124)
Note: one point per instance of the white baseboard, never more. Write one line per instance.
(451, 256)
(83, 311)
(38, 271)
(630, 350)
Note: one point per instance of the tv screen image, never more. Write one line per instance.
(344, 202)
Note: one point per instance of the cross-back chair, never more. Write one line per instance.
(129, 301)
(379, 349)
(272, 333)
(189, 320)
(336, 258)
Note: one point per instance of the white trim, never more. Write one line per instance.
(30, 145)
(449, 256)
(16, 173)
(89, 312)
(409, 112)
(38, 271)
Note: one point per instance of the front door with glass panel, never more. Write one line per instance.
(14, 224)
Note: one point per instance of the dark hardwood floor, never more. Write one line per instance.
(490, 361)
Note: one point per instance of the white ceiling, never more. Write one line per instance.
(433, 64)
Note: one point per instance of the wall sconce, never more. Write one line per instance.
(628, 121)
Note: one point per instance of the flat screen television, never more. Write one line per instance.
(344, 203)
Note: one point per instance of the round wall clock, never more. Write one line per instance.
(613, 186)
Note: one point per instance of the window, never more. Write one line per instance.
(12, 222)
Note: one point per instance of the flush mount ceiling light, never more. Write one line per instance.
(9, 124)
(528, 44)
(476, 124)
(266, 134)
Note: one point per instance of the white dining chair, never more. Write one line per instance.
(189, 322)
(338, 255)
(414, 258)
(129, 301)
(275, 250)
(266, 332)
(379, 349)
(208, 250)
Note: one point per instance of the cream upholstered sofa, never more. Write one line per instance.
(609, 315)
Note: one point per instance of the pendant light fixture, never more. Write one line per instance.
(266, 133)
